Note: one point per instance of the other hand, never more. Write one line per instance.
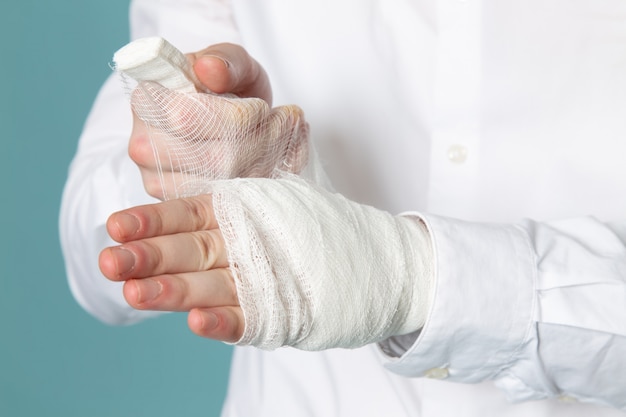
(181, 142)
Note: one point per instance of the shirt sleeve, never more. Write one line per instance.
(102, 178)
(538, 307)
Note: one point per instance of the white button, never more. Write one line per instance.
(437, 373)
(457, 154)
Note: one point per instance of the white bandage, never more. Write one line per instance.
(155, 59)
(315, 271)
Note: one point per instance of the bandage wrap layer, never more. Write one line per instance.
(155, 59)
(315, 270)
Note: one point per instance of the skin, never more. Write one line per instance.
(222, 68)
(228, 68)
(171, 255)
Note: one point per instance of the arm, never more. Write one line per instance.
(306, 267)
(538, 307)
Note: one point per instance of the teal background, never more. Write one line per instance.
(55, 359)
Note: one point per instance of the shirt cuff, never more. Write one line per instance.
(482, 312)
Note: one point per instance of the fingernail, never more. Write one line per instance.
(209, 321)
(213, 57)
(127, 224)
(125, 260)
(148, 289)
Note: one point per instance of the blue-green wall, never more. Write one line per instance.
(55, 360)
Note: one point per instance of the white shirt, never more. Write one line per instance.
(509, 116)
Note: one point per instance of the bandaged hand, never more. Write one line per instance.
(181, 140)
(275, 262)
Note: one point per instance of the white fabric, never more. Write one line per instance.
(315, 271)
(486, 111)
(155, 59)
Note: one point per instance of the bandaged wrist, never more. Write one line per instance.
(314, 270)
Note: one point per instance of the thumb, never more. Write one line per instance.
(228, 68)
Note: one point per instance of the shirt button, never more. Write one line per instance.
(457, 154)
(437, 373)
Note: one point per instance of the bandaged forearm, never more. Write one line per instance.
(314, 270)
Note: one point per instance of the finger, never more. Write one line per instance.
(182, 292)
(139, 146)
(180, 115)
(202, 136)
(162, 174)
(195, 116)
(160, 219)
(151, 155)
(288, 125)
(228, 68)
(145, 143)
(221, 323)
(169, 254)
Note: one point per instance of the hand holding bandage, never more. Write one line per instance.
(182, 138)
(196, 138)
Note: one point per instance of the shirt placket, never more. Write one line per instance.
(455, 140)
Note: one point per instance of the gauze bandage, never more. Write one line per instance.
(198, 137)
(314, 270)
(155, 59)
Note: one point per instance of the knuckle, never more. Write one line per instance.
(206, 246)
(152, 258)
(180, 294)
(197, 210)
